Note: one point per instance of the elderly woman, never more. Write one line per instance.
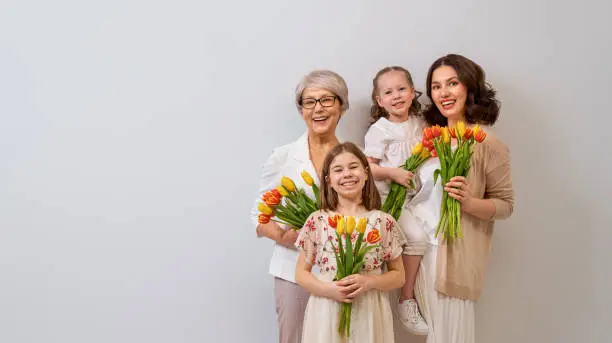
(321, 98)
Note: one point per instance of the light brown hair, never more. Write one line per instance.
(378, 112)
(369, 195)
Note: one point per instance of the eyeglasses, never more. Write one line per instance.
(326, 101)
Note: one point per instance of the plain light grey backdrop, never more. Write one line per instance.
(132, 134)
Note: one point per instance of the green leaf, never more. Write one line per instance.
(436, 174)
(340, 248)
(359, 242)
(349, 253)
(340, 273)
(365, 249)
(315, 190)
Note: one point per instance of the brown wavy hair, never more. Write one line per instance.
(481, 106)
(369, 195)
(377, 112)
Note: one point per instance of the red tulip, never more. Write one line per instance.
(373, 236)
(333, 221)
(263, 219)
(467, 134)
(435, 131)
(276, 193)
(480, 136)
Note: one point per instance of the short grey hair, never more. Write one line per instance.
(324, 79)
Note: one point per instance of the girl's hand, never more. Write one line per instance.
(459, 189)
(334, 291)
(355, 284)
(401, 176)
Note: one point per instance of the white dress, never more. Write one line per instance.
(392, 144)
(371, 316)
(450, 320)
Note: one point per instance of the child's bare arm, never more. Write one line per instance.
(398, 175)
(304, 278)
(357, 283)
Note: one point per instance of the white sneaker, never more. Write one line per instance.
(411, 318)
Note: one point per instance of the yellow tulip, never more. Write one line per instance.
(350, 225)
(361, 225)
(307, 178)
(340, 225)
(263, 208)
(460, 129)
(445, 135)
(282, 191)
(288, 184)
(475, 129)
(425, 153)
(417, 148)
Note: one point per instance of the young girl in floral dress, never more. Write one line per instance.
(348, 190)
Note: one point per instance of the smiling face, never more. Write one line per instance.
(347, 176)
(395, 94)
(448, 93)
(322, 118)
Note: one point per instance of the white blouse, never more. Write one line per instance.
(288, 160)
(423, 210)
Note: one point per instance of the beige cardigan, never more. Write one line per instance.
(462, 262)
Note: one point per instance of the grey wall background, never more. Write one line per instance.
(132, 134)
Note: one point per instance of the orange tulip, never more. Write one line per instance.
(480, 136)
(434, 153)
(270, 199)
(427, 134)
(467, 134)
(333, 221)
(263, 219)
(373, 236)
(453, 132)
(435, 131)
(276, 193)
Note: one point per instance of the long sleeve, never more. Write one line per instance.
(499, 180)
(269, 177)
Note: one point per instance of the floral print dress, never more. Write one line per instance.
(371, 316)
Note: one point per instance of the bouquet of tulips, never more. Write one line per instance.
(349, 257)
(287, 204)
(397, 193)
(452, 163)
